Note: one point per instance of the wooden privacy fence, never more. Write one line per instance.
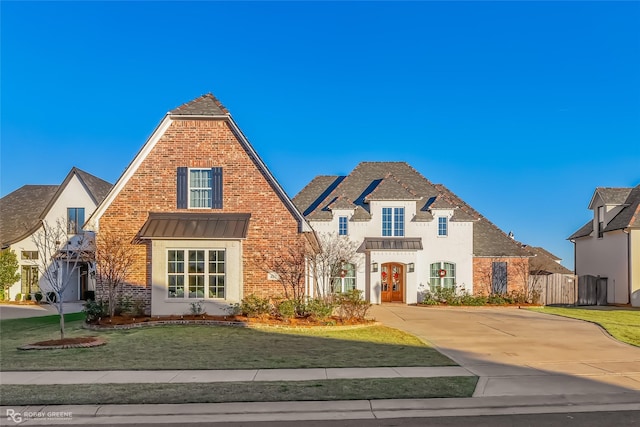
(555, 288)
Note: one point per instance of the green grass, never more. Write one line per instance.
(211, 347)
(351, 389)
(624, 325)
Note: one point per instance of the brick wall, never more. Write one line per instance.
(517, 269)
(203, 143)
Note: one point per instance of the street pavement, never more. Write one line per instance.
(527, 363)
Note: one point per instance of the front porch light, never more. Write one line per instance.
(412, 267)
(374, 267)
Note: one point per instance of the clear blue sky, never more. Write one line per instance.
(521, 108)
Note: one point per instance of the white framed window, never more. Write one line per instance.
(345, 279)
(196, 273)
(442, 275)
(343, 226)
(200, 188)
(393, 222)
(443, 226)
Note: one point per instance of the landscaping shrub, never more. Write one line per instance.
(94, 310)
(253, 306)
(196, 307)
(38, 296)
(449, 296)
(123, 305)
(18, 297)
(89, 295)
(139, 307)
(287, 309)
(27, 297)
(351, 305)
(319, 308)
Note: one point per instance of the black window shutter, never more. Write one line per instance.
(182, 188)
(216, 187)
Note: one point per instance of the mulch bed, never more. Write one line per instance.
(125, 322)
(76, 342)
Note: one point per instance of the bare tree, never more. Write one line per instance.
(290, 268)
(335, 252)
(60, 257)
(114, 257)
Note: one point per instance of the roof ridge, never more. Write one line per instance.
(193, 102)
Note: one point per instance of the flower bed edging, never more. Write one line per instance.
(95, 343)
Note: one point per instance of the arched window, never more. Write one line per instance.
(345, 279)
(443, 275)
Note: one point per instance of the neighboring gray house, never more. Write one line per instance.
(608, 245)
(413, 234)
(23, 211)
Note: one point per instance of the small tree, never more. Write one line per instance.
(114, 257)
(335, 252)
(59, 258)
(8, 270)
(290, 268)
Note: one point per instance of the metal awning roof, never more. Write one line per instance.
(391, 244)
(195, 226)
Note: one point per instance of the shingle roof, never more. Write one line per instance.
(544, 262)
(22, 210)
(341, 202)
(583, 231)
(362, 185)
(613, 195)
(206, 105)
(629, 216)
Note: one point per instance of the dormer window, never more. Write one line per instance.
(343, 226)
(600, 220)
(393, 222)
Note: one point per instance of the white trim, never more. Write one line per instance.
(93, 223)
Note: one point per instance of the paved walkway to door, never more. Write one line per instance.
(520, 352)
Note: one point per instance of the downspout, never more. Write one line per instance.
(629, 284)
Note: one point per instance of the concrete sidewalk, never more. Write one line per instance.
(213, 376)
(315, 410)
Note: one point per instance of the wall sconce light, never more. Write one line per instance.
(412, 267)
(374, 267)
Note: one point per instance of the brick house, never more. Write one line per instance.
(200, 207)
(413, 234)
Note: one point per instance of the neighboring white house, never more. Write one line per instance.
(413, 235)
(608, 246)
(23, 212)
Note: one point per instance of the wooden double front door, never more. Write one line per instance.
(392, 282)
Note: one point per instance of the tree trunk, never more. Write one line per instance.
(61, 312)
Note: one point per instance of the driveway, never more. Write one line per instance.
(11, 311)
(519, 352)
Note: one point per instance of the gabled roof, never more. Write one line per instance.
(369, 178)
(628, 217)
(544, 262)
(21, 211)
(391, 188)
(341, 202)
(610, 195)
(206, 107)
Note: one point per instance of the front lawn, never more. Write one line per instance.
(211, 347)
(624, 325)
(267, 391)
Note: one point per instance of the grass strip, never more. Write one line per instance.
(623, 325)
(268, 391)
(212, 347)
